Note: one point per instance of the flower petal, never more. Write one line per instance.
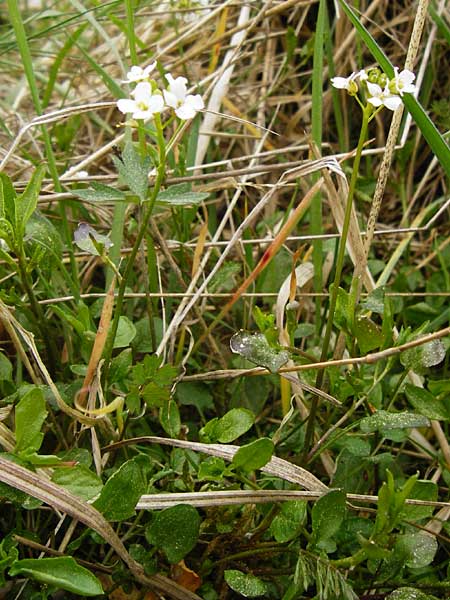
(149, 68)
(375, 101)
(177, 86)
(142, 91)
(125, 105)
(341, 83)
(171, 99)
(185, 111)
(196, 101)
(392, 102)
(155, 103)
(374, 90)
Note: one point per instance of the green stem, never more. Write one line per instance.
(367, 112)
(161, 171)
(22, 42)
(350, 561)
(41, 321)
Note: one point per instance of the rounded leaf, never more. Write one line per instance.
(233, 424)
(245, 584)
(254, 455)
(175, 531)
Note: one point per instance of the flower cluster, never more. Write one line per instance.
(381, 91)
(147, 100)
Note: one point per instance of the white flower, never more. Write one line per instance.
(137, 74)
(343, 83)
(382, 97)
(402, 82)
(186, 105)
(145, 103)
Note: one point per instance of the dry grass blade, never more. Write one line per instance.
(276, 466)
(227, 498)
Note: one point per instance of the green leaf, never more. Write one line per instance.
(120, 365)
(255, 348)
(7, 233)
(122, 491)
(418, 549)
(425, 403)
(79, 480)
(126, 332)
(287, 523)
(254, 455)
(375, 301)
(327, 514)
(99, 192)
(180, 195)
(62, 572)
(430, 133)
(169, 417)
(175, 530)
(245, 584)
(7, 199)
(422, 490)
(195, 393)
(368, 334)
(383, 420)
(42, 235)
(212, 468)
(391, 503)
(232, 425)
(27, 202)
(409, 593)
(422, 357)
(155, 395)
(30, 415)
(133, 170)
(5, 368)
(342, 317)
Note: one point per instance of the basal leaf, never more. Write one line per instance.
(63, 572)
(128, 484)
(175, 530)
(254, 455)
(384, 420)
(328, 514)
(30, 415)
(27, 202)
(232, 425)
(425, 403)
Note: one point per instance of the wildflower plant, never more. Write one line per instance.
(372, 89)
(148, 100)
